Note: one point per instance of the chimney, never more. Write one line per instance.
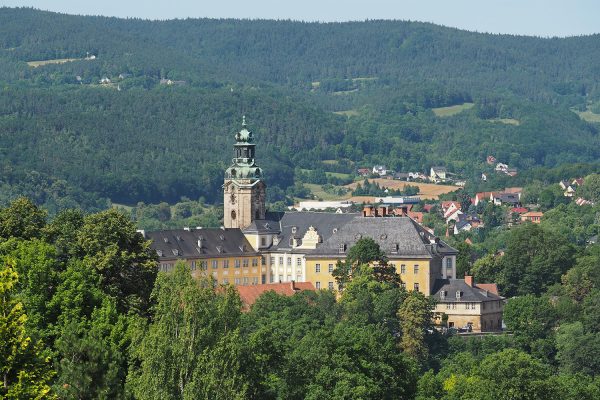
(469, 280)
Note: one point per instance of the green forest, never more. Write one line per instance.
(160, 127)
(84, 314)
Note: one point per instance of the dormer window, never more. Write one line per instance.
(166, 239)
(175, 252)
(442, 294)
(458, 294)
(159, 252)
(294, 229)
(342, 248)
(243, 248)
(397, 247)
(220, 249)
(222, 237)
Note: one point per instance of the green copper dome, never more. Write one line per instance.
(243, 165)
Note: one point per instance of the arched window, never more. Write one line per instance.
(233, 214)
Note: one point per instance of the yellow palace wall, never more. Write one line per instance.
(321, 277)
(223, 269)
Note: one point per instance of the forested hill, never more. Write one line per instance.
(357, 92)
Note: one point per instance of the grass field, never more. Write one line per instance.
(508, 121)
(321, 194)
(36, 64)
(452, 110)
(347, 113)
(426, 190)
(588, 116)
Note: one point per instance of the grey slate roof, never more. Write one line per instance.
(324, 223)
(183, 243)
(395, 235)
(468, 293)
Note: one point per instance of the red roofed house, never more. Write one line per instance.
(491, 160)
(364, 171)
(532, 216)
(249, 294)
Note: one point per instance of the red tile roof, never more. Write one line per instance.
(490, 287)
(249, 294)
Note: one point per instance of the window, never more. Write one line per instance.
(214, 264)
(298, 278)
(237, 281)
(318, 285)
(225, 263)
(447, 306)
(448, 263)
(402, 269)
(416, 268)
(416, 287)
(342, 248)
(245, 263)
(299, 261)
(317, 268)
(203, 265)
(289, 261)
(330, 284)
(280, 260)
(272, 260)
(272, 278)
(280, 278)
(255, 262)
(237, 263)
(403, 285)
(255, 280)
(263, 241)
(263, 260)
(330, 268)
(225, 281)
(245, 280)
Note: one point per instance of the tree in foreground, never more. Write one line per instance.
(24, 370)
(192, 348)
(415, 315)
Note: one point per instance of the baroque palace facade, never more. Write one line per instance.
(255, 246)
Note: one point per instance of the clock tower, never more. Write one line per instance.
(244, 191)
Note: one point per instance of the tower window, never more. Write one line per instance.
(233, 172)
(233, 214)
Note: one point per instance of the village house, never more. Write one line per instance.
(363, 172)
(380, 170)
(438, 174)
(491, 160)
(532, 216)
(464, 305)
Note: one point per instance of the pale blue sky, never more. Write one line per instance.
(525, 17)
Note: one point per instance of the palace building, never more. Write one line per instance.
(255, 246)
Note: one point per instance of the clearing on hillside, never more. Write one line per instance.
(588, 115)
(451, 110)
(426, 190)
(507, 121)
(36, 64)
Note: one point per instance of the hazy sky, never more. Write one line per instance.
(527, 17)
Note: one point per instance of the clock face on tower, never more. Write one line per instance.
(232, 198)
